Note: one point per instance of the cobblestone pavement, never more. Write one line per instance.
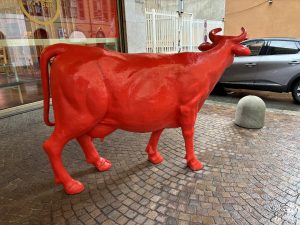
(249, 176)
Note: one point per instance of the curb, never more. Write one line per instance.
(232, 105)
(4, 113)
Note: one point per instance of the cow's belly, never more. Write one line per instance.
(143, 118)
(143, 102)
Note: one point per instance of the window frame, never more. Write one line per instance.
(296, 42)
(264, 45)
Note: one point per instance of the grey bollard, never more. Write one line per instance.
(250, 112)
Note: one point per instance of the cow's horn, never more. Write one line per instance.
(212, 35)
(241, 37)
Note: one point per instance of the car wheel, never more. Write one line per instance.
(219, 90)
(296, 91)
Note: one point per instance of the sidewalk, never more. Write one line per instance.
(249, 176)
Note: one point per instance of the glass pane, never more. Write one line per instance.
(255, 47)
(282, 47)
(27, 27)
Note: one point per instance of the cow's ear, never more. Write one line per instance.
(241, 50)
(205, 46)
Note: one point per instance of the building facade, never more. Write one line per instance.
(271, 18)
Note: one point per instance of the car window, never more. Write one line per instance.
(282, 47)
(255, 47)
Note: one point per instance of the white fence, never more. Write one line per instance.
(167, 32)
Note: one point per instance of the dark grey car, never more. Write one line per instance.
(274, 65)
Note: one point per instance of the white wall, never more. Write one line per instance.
(135, 25)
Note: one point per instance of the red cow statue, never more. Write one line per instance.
(95, 91)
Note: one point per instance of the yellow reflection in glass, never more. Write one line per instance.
(43, 3)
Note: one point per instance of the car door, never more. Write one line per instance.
(278, 66)
(243, 71)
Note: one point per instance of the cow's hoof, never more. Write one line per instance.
(103, 164)
(73, 187)
(155, 158)
(195, 164)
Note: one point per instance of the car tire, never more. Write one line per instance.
(296, 91)
(219, 90)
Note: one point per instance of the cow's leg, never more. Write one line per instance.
(188, 119)
(53, 147)
(63, 132)
(188, 135)
(153, 154)
(91, 153)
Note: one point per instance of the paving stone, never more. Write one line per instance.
(130, 214)
(140, 219)
(207, 220)
(95, 213)
(122, 220)
(249, 176)
(152, 215)
(131, 222)
(114, 215)
(101, 218)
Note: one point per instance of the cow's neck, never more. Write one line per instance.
(206, 71)
(219, 58)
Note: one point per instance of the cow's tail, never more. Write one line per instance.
(46, 55)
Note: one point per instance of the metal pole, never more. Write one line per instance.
(205, 31)
(180, 6)
(180, 23)
(191, 34)
(154, 30)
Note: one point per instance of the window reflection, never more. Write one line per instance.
(28, 26)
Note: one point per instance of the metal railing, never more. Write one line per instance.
(167, 32)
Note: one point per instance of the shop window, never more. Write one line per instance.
(40, 34)
(81, 9)
(3, 54)
(97, 9)
(34, 8)
(26, 29)
(46, 11)
(77, 35)
(66, 9)
(38, 9)
(101, 10)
